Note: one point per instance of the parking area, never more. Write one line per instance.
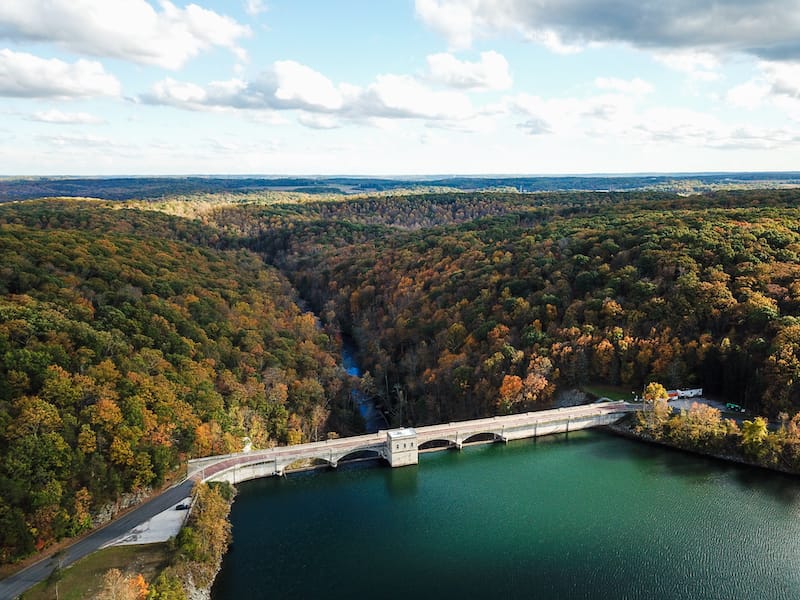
(685, 403)
(158, 529)
(728, 413)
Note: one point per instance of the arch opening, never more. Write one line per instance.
(306, 464)
(482, 438)
(436, 445)
(359, 455)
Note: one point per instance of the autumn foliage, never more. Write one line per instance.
(453, 297)
(130, 341)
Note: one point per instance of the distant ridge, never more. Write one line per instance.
(126, 188)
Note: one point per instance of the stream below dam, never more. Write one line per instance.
(374, 420)
(590, 515)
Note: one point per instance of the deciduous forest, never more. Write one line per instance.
(466, 305)
(131, 339)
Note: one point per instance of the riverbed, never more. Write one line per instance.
(588, 516)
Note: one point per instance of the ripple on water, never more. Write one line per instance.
(594, 516)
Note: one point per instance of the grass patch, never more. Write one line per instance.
(84, 579)
(614, 392)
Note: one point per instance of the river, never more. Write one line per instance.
(373, 418)
(588, 516)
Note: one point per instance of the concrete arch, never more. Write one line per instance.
(360, 454)
(312, 462)
(437, 444)
(483, 438)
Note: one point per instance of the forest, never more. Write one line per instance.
(470, 304)
(131, 339)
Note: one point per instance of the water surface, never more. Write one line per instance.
(592, 516)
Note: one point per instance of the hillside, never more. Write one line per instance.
(466, 305)
(129, 341)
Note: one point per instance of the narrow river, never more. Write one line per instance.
(373, 418)
(591, 516)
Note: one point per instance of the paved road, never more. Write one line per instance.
(16, 584)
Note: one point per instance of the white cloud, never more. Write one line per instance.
(784, 77)
(453, 20)
(299, 86)
(535, 126)
(750, 94)
(678, 125)
(756, 138)
(27, 76)
(317, 121)
(289, 85)
(551, 40)
(768, 29)
(178, 93)
(476, 124)
(126, 29)
(254, 7)
(625, 119)
(490, 73)
(286, 85)
(65, 118)
(401, 96)
(81, 141)
(701, 66)
(635, 87)
(776, 87)
(606, 113)
(241, 148)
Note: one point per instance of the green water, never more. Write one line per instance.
(592, 516)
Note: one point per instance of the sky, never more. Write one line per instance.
(398, 87)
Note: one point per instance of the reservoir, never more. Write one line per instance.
(588, 516)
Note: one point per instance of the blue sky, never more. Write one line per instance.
(398, 87)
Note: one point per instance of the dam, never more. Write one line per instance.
(401, 447)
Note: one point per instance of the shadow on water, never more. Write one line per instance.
(401, 482)
(657, 460)
(589, 515)
(780, 486)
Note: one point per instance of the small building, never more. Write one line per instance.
(402, 445)
(692, 393)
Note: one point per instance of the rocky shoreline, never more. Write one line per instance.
(199, 546)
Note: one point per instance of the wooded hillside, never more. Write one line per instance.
(128, 342)
(131, 339)
(458, 317)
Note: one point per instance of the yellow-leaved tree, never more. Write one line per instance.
(656, 410)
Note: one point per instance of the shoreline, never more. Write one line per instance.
(617, 429)
(626, 432)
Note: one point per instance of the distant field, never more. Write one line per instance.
(84, 578)
(612, 392)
